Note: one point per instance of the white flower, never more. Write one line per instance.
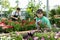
(56, 37)
(9, 38)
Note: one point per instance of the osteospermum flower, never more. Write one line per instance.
(9, 38)
(56, 37)
(24, 39)
(18, 33)
(2, 24)
(4, 36)
(5, 27)
(57, 34)
(48, 36)
(45, 31)
(42, 38)
(32, 31)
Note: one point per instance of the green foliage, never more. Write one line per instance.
(32, 7)
(30, 38)
(31, 27)
(54, 12)
(16, 27)
(43, 25)
(19, 26)
(1, 29)
(58, 10)
(9, 30)
(45, 35)
(5, 3)
(18, 37)
(55, 29)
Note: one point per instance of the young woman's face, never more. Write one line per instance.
(18, 11)
(40, 15)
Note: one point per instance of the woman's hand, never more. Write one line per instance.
(16, 18)
(39, 22)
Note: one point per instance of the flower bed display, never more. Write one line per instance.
(32, 36)
(15, 27)
(24, 25)
(48, 36)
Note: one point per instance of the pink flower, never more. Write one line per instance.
(4, 27)
(32, 31)
(45, 31)
(57, 34)
(42, 38)
(18, 33)
(7, 26)
(2, 24)
(48, 36)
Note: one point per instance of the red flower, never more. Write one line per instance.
(2, 24)
(9, 26)
(32, 22)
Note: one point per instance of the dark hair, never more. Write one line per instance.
(39, 11)
(18, 8)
